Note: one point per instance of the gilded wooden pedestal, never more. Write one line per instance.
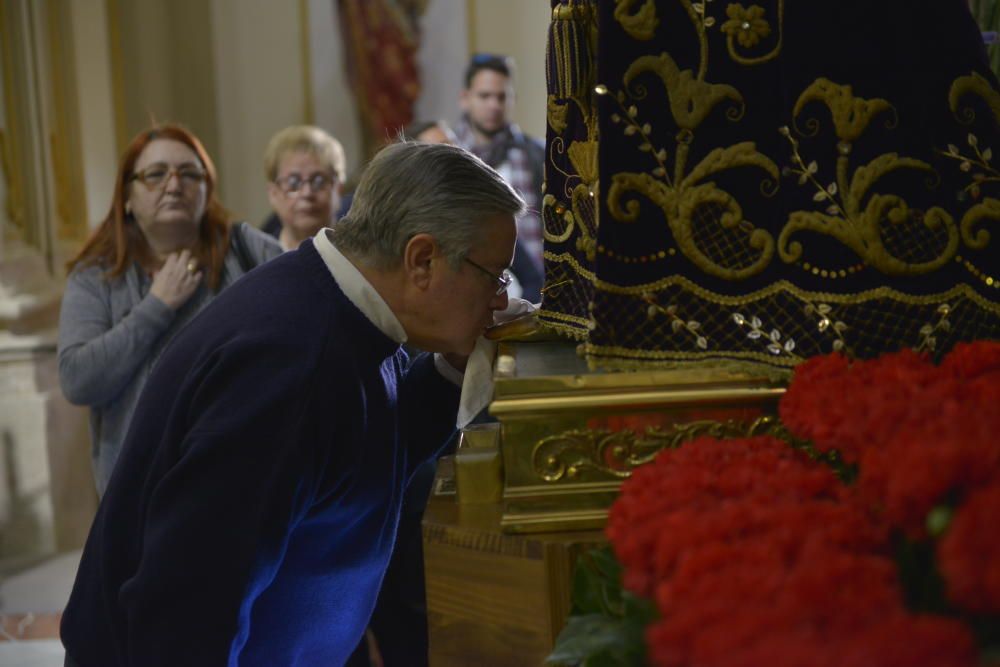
(522, 498)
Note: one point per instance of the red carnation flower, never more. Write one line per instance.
(969, 553)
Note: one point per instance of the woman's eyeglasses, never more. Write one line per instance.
(157, 175)
(292, 183)
(503, 281)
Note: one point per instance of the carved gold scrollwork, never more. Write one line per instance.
(617, 453)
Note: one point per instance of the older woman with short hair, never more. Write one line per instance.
(305, 169)
(166, 248)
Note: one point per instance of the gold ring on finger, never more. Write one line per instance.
(192, 266)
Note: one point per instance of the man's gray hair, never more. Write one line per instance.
(412, 188)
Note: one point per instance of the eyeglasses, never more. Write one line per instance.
(292, 183)
(503, 281)
(157, 175)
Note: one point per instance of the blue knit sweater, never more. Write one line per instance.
(253, 509)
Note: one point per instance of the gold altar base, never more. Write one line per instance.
(569, 436)
(523, 498)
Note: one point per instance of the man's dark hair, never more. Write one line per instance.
(480, 61)
(415, 129)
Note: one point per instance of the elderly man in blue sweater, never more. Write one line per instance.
(252, 512)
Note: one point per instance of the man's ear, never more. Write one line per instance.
(463, 99)
(418, 259)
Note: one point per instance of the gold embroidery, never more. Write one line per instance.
(989, 209)
(679, 204)
(583, 156)
(572, 35)
(928, 341)
(975, 84)
(847, 218)
(747, 26)
(851, 115)
(553, 213)
(772, 338)
(555, 113)
(641, 25)
(677, 323)
(691, 99)
(824, 324)
(880, 228)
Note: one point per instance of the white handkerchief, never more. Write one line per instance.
(477, 386)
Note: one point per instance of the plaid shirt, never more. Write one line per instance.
(518, 158)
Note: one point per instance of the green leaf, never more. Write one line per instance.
(607, 624)
(597, 582)
(584, 636)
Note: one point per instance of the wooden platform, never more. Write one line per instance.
(493, 598)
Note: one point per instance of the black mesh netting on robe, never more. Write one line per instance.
(757, 183)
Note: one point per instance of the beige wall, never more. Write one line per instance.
(259, 90)
(144, 57)
(168, 67)
(444, 52)
(333, 102)
(96, 109)
(232, 71)
(517, 28)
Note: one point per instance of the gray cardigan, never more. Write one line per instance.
(111, 334)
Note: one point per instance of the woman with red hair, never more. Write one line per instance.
(165, 249)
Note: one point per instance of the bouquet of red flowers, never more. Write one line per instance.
(926, 441)
(752, 552)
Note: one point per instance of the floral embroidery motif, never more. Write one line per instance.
(928, 337)
(982, 173)
(975, 84)
(773, 339)
(824, 324)
(677, 323)
(641, 25)
(746, 24)
(852, 214)
(682, 194)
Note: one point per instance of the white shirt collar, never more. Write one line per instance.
(357, 289)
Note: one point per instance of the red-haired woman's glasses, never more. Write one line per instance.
(156, 176)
